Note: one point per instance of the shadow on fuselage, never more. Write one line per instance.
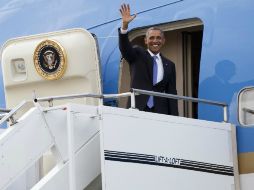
(219, 88)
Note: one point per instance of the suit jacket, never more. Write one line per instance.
(141, 70)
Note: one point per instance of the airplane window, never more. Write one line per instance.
(246, 107)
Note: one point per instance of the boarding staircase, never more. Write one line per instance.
(130, 148)
(73, 142)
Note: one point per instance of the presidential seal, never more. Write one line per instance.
(50, 60)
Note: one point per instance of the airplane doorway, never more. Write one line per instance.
(192, 43)
(183, 47)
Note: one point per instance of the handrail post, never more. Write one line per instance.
(12, 112)
(133, 103)
(225, 114)
(71, 151)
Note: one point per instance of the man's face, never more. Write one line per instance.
(154, 41)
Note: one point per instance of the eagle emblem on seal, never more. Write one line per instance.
(50, 60)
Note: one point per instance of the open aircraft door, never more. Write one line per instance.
(51, 64)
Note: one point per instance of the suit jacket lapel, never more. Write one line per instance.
(149, 66)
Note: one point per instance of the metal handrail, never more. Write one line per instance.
(86, 95)
(135, 92)
(126, 94)
(12, 112)
(72, 96)
(3, 110)
(2, 115)
(177, 97)
(132, 94)
(172, 96)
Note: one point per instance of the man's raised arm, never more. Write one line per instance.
(126, 16)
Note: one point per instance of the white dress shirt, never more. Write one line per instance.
(123, 31)
(159, 66)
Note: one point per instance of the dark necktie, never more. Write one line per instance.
(150, 102)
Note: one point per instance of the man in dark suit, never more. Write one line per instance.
(148, 68)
